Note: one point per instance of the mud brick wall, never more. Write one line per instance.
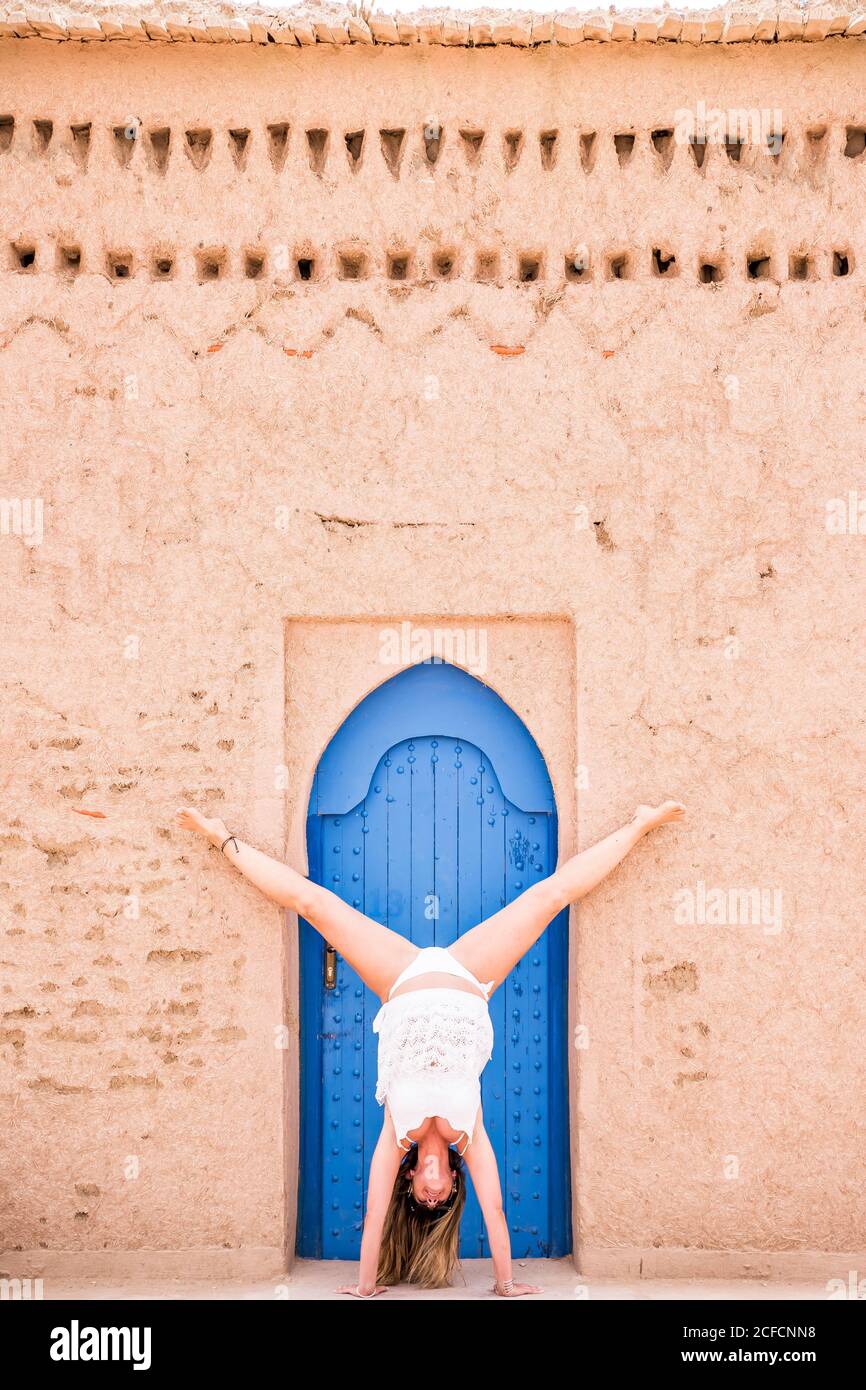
(293, 333)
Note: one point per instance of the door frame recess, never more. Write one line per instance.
(521, 785)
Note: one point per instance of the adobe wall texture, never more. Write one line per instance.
(225, 448)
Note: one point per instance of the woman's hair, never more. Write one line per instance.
(419, 1243)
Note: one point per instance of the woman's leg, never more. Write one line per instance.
(494, 947)
(374, 951)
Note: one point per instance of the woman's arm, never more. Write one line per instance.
(383, 1172)
(579, 875)
(481, 1162)
(277, 881)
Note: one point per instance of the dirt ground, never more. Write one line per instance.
(318, 1280)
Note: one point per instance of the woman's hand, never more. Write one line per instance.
(515, 1290)
(355, 1290)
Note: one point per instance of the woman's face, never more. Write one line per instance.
(432, 1182)
(430, 1194)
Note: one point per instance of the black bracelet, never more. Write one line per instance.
(225, 842)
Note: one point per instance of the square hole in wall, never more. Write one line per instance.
(7, 131)
(547, 141)
(317, 149)
(444, 264)
(577, 265)
(529, 267)
(618, 266)
(199, 146)
(162, 267)
(711, 270)
(432, 135)
(855, 141)
(239, 141)
(159, 148)
(816, 141)
(81, 134)
(305, 267)
(354, 147)
(487, 267)
(512, 148)
(843, 262)
(664, 263)
(623, 143)
(399, 265)
(664, 145)
(125, 137)
(278, 143)
(800, 266)
(351, 265)
(254, 264)
(43, 132)
(698, 147)
(69, 259)
(120, 265)
(392, 143)
(758, 266)
(23, 256)
(472, 139)
(211, 265)
(588, 146)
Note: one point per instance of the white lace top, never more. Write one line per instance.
(433, 1047)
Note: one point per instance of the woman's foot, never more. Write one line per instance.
(188, 818)
(649, 817)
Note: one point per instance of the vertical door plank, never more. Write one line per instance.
(374, 833)
(446, 842)
(527, 1045)
(493, 807)
(342, 1104)
(425, 752)
(397, 791)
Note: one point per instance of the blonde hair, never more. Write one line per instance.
(419, 1245)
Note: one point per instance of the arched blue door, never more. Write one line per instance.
(431, 808)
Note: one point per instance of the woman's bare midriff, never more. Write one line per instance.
(447, 1131)
(437, 980)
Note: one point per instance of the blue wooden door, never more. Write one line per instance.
(432, 847)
